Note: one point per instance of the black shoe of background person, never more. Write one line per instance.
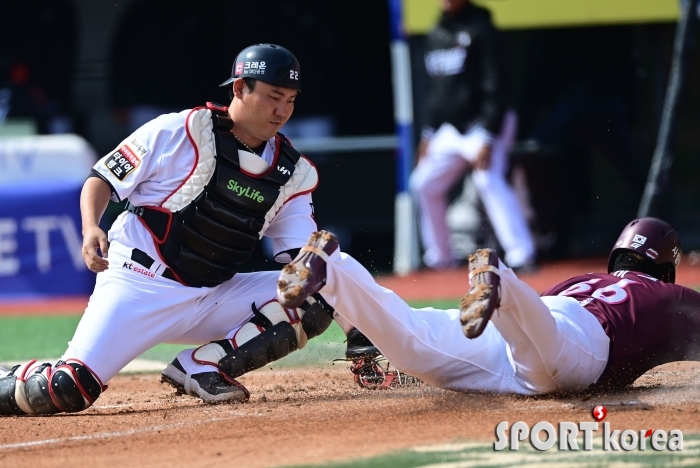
(306, 274)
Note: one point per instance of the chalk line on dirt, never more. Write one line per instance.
(131, 432)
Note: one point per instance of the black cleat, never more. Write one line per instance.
(211, 387)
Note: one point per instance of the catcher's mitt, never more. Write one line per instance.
(370, 368)
(376, 373)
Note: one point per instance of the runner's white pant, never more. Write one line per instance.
(129, 312)
(532, 345)
(450, 154)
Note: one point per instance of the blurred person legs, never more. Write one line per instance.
(450, 154)
(430, 183)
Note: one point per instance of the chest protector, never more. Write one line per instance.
(206, 241)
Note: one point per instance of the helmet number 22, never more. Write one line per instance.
(611, 294)
(293, 75)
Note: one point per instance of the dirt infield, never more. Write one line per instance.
(310, 416)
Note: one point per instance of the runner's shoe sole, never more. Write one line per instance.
(477, 306)
(306, 274)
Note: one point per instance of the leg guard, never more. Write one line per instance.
(273, 344)
(42, 389)
(271, 334)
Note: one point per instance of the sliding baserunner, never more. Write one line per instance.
(603, 329)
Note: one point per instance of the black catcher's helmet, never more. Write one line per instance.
(652, 238)
(270, 63)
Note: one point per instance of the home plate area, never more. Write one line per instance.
(317, 416)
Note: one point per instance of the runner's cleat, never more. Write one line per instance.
(477, 306)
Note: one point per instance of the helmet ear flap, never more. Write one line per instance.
(670, 276)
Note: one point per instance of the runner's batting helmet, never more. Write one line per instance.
(652, 238)
(270, 63)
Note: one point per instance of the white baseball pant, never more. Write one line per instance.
(133, 309)
(532, 345)
(449, 155)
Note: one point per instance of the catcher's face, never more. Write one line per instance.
(259, 114)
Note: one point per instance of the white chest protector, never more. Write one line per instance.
(207, 229)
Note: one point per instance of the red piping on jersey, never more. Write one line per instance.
(298, 194)
(196, 154)
(194, 166)
(272, 166)
(305, 191)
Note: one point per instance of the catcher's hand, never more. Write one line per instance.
(95, 238)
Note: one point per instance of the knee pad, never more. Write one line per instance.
(34, 388)
(272, 344)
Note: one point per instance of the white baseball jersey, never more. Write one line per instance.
(154, 162)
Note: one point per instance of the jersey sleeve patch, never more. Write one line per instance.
(123, 161)
(137, 147)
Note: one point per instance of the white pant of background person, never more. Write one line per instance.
(532, 345)
(130, 312)
(449, 155)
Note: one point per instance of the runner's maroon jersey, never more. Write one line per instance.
(649, 322)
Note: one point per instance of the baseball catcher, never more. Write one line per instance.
(599, 330)
(204, 185)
